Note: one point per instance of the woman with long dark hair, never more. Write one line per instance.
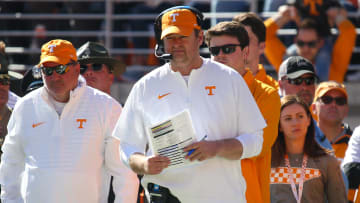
(302, 171)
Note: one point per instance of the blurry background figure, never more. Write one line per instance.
(14, 77)
(29, 82)
(5, 110)
(98, 68)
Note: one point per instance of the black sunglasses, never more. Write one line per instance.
(299, 81)
(341, 101)
(60, 69)
(226, 49)
(5, 81)
(310, 44)
(94, 67)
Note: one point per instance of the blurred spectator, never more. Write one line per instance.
(97, 67)
(330, 106)
(31, 82)
(308, 42)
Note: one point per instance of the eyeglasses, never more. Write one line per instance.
(299, 81)
(94, 67)
(311, 44)
(226, 49)
(60, 69)
(5, 81)
(341, 101)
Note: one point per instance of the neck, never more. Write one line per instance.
(254, 66)
(185, 69)
(331, 130)
(295, 146)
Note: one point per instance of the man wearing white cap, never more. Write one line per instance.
(220, 106)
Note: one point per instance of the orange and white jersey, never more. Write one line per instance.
(66, 157)
(220, 106)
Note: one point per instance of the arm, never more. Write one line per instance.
(270, 110)
(152, 165)
(275, 49)
(343, 47)
(12, 164)
(125, 182)
(335, 187)
(231, 149)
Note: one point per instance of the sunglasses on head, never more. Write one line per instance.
(299, 81)
(226, 49)
(310, 44)
(5, 81)
(60, 69)
(340, 101)
(94, 67)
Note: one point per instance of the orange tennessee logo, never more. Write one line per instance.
(37, 124)
(163, 95)
(81, 122)
(210, 88)
(312, 4)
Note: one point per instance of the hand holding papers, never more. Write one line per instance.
(171, 136)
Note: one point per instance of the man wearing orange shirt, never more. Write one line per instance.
(257, 32)
(228, 43)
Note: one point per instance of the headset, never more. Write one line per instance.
(159, 48)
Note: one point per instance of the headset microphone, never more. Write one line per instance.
(159, 53)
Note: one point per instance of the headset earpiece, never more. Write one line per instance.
(159, 48)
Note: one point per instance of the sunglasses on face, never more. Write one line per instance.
(94, 67)
(299, 81)
(311, 44)
(226, 49)
(5, 81)
(60, 69)
(340, 101)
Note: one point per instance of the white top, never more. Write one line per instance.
(220, 105)
(353, 150)
(64, 158)
(13, 98)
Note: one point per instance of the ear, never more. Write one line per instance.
(313, 108)
(201, 38)
(261, 48)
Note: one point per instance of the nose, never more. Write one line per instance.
(89, 71)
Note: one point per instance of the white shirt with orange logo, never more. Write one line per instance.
(220, 105)
(66, 158)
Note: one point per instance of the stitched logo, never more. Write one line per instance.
(210, 88)
(37, 124)
(81, 121)
(163, 95)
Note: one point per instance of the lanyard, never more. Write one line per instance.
(291, 177)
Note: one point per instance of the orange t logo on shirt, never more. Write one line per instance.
(210, 88)
(81, 122)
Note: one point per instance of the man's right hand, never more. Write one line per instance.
(155, 164)
(151, 165)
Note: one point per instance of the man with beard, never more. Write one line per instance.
(97, 67)
(59, 139)
(227, 123)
